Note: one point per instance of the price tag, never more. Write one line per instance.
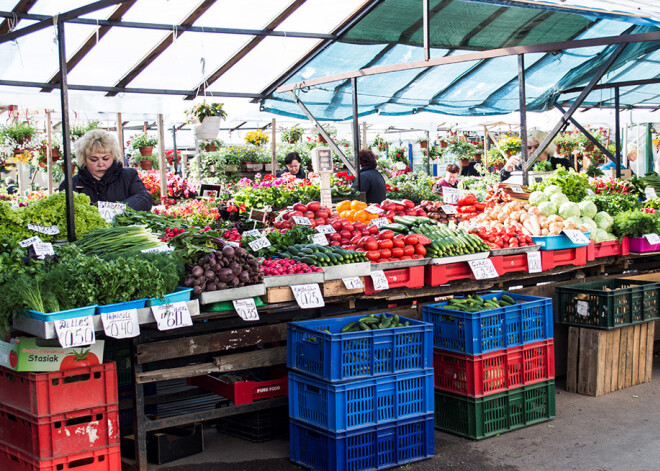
(158, 249)
(75, 332)
(374, 210)
(483, 269)
(379, 222)
(652, 239)
(583, 308)
(319, 239)
(246, 309)
(380, 280)
(260, 243)
(121, 324)
(29, 242)
(326, 229)
(252, 233)
(172, 316)
(48, 230)
(308, 296)
(448, 209)
(576, 236)
(354, 282)
(302, 220)
(450, 195)
(43, 249)
(516, 189)
(650, 192)
(109, 210)
(534, 262)
(232, 243)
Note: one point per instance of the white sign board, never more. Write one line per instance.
(308, 296)
(43, 249)
(260, 243)
(354, 282)
(48, 230)
(576, 236)
(109, 210)
(75, 332)
(583, 308)
(516, 189)
(29, 242)
(379, 222)
(379, 280)
(374, 210)
(253, 233)
(246, 309)
(448, 209)
(450, 195)
(302, 220)
(650, 192)
(483, 269)
(534, 262)
(172, 315)
(325, 229)
(121, 324)
(319, 239)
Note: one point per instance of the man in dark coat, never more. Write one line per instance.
(371, 181)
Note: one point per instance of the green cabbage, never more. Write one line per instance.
(537, 197)
(588, 209)
(603, 220)
(551, 190)
(589, 223)
(547, 208)
(559, 199)
(569, 209)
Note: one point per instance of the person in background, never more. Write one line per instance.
(534, 139)
(293, 164)
(11, 185)
(102, 176)
(450, 180)
(371, 181)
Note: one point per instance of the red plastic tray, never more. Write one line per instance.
(510, 263)
(555, 258)
(411, 277)
(611, 248)
(490, 373)
(40, 394)
(437, 275)
(106, 459)
(243, 392)
(44, 438)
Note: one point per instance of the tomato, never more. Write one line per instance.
(417, 256)
(79, 360)
(320, 221)
(323, 213)
(400, 236)
(420, 250)
(348, 227)
(371, 244)
(337, 225)
(411, 212)
(411, 239)
(398, 243)
(372, 229)
(385, 253)
(421, 212)
(397, 252)
(299, 207)
(359, 225)
(406, 257)
(385, 244)
(373, 255)
(351, 247)
(313, 206)
(335, 243)
(422, 239)
(409, 204)
(335, 236)
(355, 240)
(295, 213)
(346, 234)
(364, 232)
(409, 250)
(386, 234)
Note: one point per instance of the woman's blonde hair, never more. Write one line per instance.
(538, 136)
(96, 141)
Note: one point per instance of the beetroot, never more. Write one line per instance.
(228, 251)
(225, 275)
(197, 271)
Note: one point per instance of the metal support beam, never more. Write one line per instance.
(162, 160)
(596, 142)
(66, 136)
(175, 151)
(427, 40)
(23, 6)
(627, 83)
(356, 130)
(325, 135)
(617, 133)
(576, 104)
(522, 99)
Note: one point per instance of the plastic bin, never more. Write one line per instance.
(136, 304)
(557, 242)
(354, 404)
(611, 248)
(338, 356)
(411, 277)
(510, 263)
(491, 415)
(181, 294)
(271, 383)
(556, 258)
(59, 315)
(607, 304)
(491, 373)
(40, 394)
(105, 459)
(373, 447)
(640, 245)
(437, 275)
(493, 329)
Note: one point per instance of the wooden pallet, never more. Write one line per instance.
(329, 289)
(603, 361)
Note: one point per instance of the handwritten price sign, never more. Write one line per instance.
(448, 209)
(43, 249)
(652, 239)
(534, 262)
(121, 324)
(319, 239)
(48, 230)
(576, 236)
(308, 296)
(252, 233)
(374, 210)
(650, 192)
(325, 229)
(516, 189)
(246, 309)
(29, 242)
(450, 195)
(483, 269)
(109, 210)
(172, 316)
(379, 280)
(302, 220)
(260, 243)
(353, 282)
(379, 222)
(75, 332)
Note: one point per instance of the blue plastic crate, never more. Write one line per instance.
(494, 329)
(338, 407)
(114, 307)
(338, 356)
(180, 294)
(374, 447)
(59, 315)
(557, 242)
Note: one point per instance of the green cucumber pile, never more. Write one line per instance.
(408, 224)
(374, 322)
(322, 255)
(475, 303)
(447, 242)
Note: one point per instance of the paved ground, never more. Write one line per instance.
(618, 431)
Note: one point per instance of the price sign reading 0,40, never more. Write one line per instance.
(121, 324)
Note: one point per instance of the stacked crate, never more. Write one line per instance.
(359, 400)
(60, 420)
(494, 369)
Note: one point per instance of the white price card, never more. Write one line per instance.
(374, 210)
(379, 222)
(75, 332)
(43, 249)
(483, 269)
(108, 210)
(325, 229)
(302, 220)
(583, 308)
(29, 242)
(48, 230)
(576, 236)
(448, 209)
(260, 243)
(534, 262)
(308, 296)
(246, 309)
(379, 280)
(353, 282)
(121, 324)
(652, 239)
(516, 189)
(158, 249)
(252, 233)
(650, 192)
(319, 239)
(172, 315)
(450, 195)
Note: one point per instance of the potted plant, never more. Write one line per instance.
(146, 162)
(423, 142)
(463, 150)
(78, 130)
(380, 144)
(292, 135)
(208, 116)
(144, 143)
(256, 138)
(510, 145)
(18, 136)
(496, 158)
(42, 153)
(212, 145)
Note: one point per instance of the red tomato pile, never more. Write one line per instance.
(469, 207)
(349, 233)
(504, 238)
(393, 208)
(387, 247)
(286, 266)
(318, 215)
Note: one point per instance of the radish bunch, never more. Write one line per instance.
(286, 266)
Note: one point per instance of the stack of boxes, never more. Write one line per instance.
(59, 420)
(494, 369)
(359, 400)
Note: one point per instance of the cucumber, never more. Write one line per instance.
(508, 299)
(348, 326)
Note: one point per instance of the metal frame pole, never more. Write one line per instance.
(617, 132)
(600, 146)
(522, 97)
(427, 40)
(356, 130)
(175, 151)
(66, 143)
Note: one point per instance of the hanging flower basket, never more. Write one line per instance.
(146, 164)
(210, 147)
(146, 151)
(209, 128)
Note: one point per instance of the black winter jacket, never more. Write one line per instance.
(373, 183)
(119, 184)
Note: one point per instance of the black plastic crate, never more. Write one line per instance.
(258, 426)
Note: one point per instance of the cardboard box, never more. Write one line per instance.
(33, 354)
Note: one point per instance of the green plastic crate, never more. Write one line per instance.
(490, 415)
(608, 304)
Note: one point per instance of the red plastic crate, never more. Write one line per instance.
(40, 394)
(555, 258)
(47, 437)
(611, 248)
(490, 373)
(437, 275)
(243, 392)
(510, 263)
(105, 459)
(411, 277)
